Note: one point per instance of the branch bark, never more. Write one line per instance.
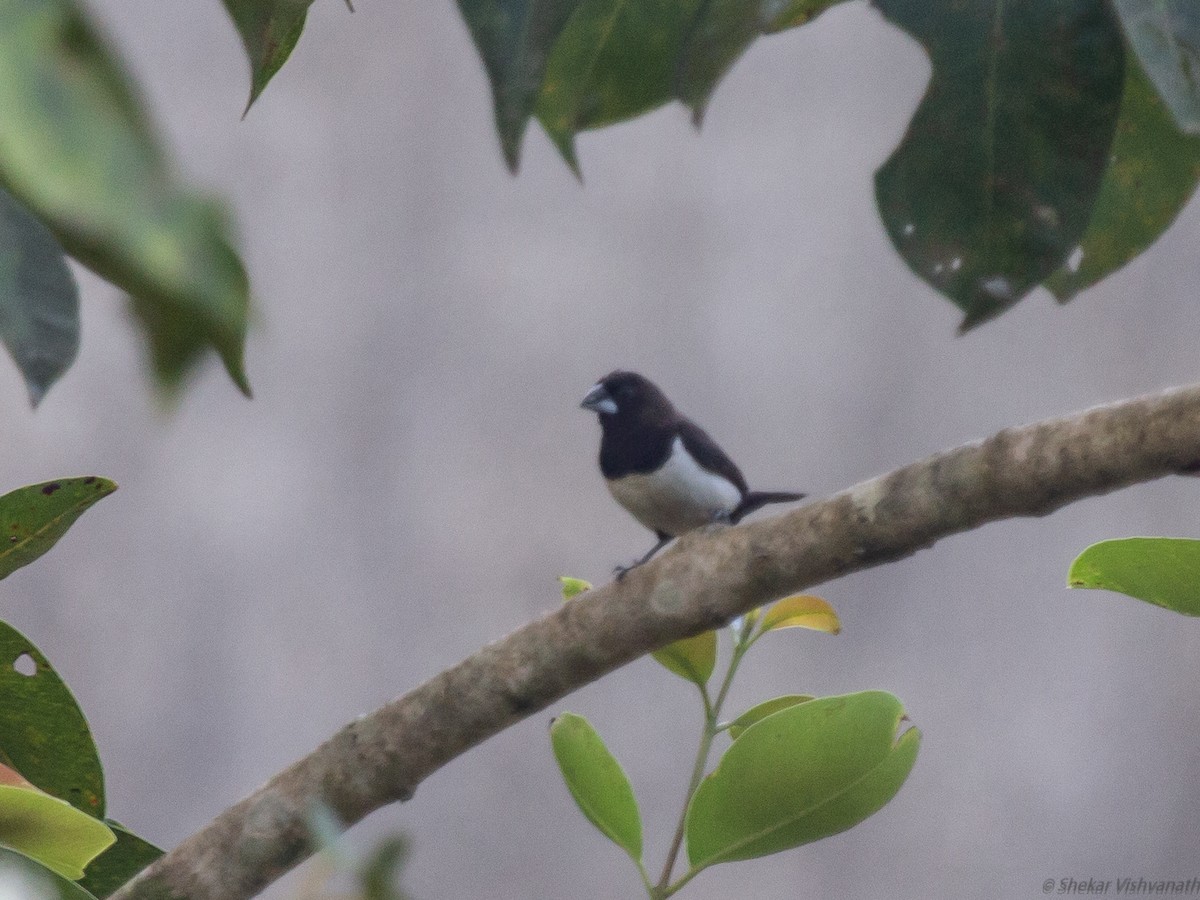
(708, 578)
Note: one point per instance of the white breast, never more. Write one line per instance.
(679, 496)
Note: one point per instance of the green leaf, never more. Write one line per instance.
(33, 518)
(76, 150)
(43, 734)
(692, 658)
(39, 301)
(25, 878)
(597, 782)
(800, 611)
(614, 60)
(573, 587)
(1165, 34)
(119, 863)
(269, 31)
(757, 713)
(1152, 175)
(994, 184)
(514, 38)
(50, 831)
(799, 775)
(722, 32)
(1162, 571)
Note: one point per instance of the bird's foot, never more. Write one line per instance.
(619, 572)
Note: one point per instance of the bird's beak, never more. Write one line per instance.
(599, 400)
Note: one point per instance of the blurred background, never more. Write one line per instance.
(414, 472)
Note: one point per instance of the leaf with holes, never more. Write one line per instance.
(1153, 174)
(269, 30)
(693, 658)
(1162, 571)
(43, 734)
(33, 518)
(1165, 34)
(39, 301)
(78, 152)
(800, 611)
(757, 713)
(799, 775)
(120, 862)
(994, 183)
(27, 879)
(597, 782)
(49, 830)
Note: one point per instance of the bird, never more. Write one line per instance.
(662, 467)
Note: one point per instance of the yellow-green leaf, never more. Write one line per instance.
(33, 518)
(693, 658)
(50, 830)
(573, 587)
(1158, 570)
(764, 709)
(801, 611)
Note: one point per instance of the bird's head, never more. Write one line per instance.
(629, 396)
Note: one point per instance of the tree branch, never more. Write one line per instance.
(708, 578)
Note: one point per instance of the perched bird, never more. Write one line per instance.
(663, 467)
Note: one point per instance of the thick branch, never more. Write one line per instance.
(706, 580)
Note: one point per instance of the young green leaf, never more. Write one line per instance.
(26, 878)
(804, 773)
(693, 658)
(49, 830)
(1162, 571)
(43, 735)
(120, 862)
(39, 301)
(800, 611)
(597, 782)
(573, 587)
(33, 518)
(757, 713)
(269, 30)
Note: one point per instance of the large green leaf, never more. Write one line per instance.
(29, 880)
(1162, 571)
(269, 31)
(49, 830)
(722, 31)
(514, 38)
(1165, 34)
(768, 707)
(1152, 175)
(39, 302)
(994, 183)
(692, 658)
(120, 862)
(76, 150)
(43, 734)
(801, 774)
(33, 518)
(597, 782)
(615, 59)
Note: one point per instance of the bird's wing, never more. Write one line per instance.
(705, 451)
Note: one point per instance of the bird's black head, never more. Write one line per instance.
(628, 396)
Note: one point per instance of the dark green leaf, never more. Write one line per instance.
(1165, 34)
(43, 734)
(269, 30)
(722, 32)
(75, 149)
(1162, 571)
(28, 879)
(120, 862)
(692, 658)
(39, 302)
(994, 183)
(757, 713)
(615, 59)
(33, 518)
(515, 37)
(1153, 173)
(597, 782)
(799, 775)
(50, 831)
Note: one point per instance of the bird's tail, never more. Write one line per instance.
(757, 499)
